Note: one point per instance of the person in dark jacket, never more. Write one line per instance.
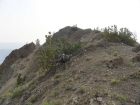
(63, 58)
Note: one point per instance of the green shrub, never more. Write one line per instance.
(123, 35)
(20, 81)
(47, 56)
(66, 47)
(29, 103)
(9, 94)
(17, 90)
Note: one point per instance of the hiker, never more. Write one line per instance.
(62, 58)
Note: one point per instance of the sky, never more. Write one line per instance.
(27, 20)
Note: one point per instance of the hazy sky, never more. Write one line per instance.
(26, 20)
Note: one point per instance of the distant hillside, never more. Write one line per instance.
(4, 53)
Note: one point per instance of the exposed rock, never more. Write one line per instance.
(103, 103)
(15, 55)
(114, 63)
(100, 99)
(6, 102)
(136, 49)
(75, 101)
(91, 102)
(135, 74)
(72, 34)
(136, 58)
(133, 100)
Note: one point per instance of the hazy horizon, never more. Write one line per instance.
(7, 47)
(11, 45)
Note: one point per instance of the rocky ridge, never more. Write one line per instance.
(13, 57)
(86, 80)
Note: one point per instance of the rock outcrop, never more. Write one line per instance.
(72, 33)
(15, 55)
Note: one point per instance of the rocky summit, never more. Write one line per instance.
(101, 72)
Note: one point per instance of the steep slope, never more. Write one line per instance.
(6, 68)
(86, 80)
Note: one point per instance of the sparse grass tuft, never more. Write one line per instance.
(124, 77)
(135, 74)
(129, 64)
(115, 53)
(15, 92)
(47, 103)
(121, 98)
(52, 103)
(58, 75)
(18, 90)
(101, 92)
(67, 86)
(56, 81)
(9, 94)
(56, 103)
(32, 98)
(97, 90)
(29, 103)
(81, 90)
(41, 71)
(114, 81)
(88, 58)
(55, 92)
(104, 93)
